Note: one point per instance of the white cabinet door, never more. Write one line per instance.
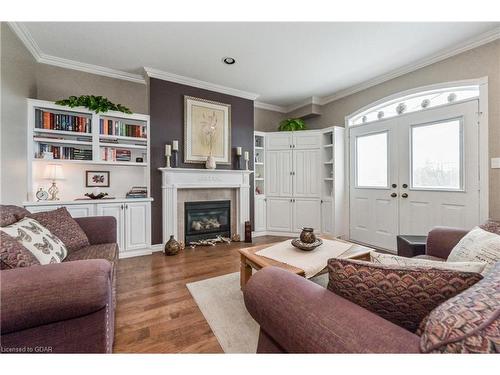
(279, 214)
(327, 217)
(35, 209)
(117, 211)
(81, 210)
(306, 173)
(137, 224)
(260, 214)
(279, 141)
(279, 173)
(306, 214)
(306, 140)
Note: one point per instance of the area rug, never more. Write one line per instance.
(221, 302)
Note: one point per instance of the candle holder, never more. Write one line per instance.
(167, 161)
(238, 161)
(246, 165)
(175, 159)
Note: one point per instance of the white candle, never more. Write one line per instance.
(246, 155)
(238, 151)
(175, 145)
(168, 151)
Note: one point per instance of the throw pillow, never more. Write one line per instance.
(468, 322)
(477, 246)
(394, 260)
(491, 226)
(61, 224)
(44, 246)
(9, 214)
(13, 254)
(403, 296)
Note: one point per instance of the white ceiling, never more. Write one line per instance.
(283, 62)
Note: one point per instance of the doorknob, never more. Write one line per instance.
(394, 195)
(405, 186)
(394, 186)
(404, 195)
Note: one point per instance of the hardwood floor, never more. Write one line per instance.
(155, 312)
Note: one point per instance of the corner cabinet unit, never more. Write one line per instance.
(303, 182)
(133, 219)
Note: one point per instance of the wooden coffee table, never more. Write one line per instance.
(250, 260)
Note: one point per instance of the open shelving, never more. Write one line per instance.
(259, 164)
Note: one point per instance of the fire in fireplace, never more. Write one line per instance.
(207, 220)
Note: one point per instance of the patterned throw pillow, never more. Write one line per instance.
(44, 246)
(13, 254)
(9, 214)
(477, 246)
(394, 260)
(491, 226)
(403, 296)
(468, 322)
(61, 224)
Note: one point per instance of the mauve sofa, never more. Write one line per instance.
(67, 307)
(298, 316)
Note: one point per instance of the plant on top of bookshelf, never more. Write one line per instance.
(94, 103)
(292, 124)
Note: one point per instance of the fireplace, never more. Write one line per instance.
(207, 220)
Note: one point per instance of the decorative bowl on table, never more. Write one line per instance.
(307, 246)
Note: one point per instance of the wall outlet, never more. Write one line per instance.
(495, 163)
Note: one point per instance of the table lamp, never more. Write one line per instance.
(53, 172)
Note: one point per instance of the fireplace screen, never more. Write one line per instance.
(207, 220)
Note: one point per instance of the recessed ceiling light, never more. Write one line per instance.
(229, 60)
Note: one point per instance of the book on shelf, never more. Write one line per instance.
(59, 121)
(115, 154)
(137, 192)
(64, 152)
(121, 129)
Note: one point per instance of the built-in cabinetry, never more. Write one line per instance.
(303, 183)
(133, 219)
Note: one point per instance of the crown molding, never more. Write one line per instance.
(472, 43)
(25, 36)
(183, 80)
(270, 107)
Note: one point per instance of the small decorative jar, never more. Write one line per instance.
(172, 247)
(307, 235)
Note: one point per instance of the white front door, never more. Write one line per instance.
(440, 176)
(373, 200)
(413, 172)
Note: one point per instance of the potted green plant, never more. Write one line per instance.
(94, 103)
(292, 124)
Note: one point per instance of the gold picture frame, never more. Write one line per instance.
(207, 130)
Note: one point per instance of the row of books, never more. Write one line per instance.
(138, 192)
(58, 121)
(119, 128)
(64, 152)
(115, 154)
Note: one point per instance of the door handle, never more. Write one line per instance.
(404, 195)
(394, 186)
(121, 206)
(394, 195)
(126, 206)
(405, 186)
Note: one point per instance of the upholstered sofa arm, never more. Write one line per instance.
(99, 229)
(40, 295)
(441, 240)
(303, 317)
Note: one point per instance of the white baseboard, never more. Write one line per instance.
(135, 253)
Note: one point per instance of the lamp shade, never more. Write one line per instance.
(54, 172)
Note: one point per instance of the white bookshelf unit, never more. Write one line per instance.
(81, 140)
(259, 182)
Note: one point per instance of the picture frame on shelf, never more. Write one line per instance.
(207, 131)
(97, 179)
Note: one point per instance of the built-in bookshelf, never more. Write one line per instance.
(259, 163)
(80, 137)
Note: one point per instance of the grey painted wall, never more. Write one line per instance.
(267, 121)
(18, 77)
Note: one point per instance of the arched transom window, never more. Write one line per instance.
(414, 102)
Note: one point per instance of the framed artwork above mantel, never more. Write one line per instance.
(207, 130)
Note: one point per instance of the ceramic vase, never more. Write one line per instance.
(307, 235)
(210, 163)
(172, 247)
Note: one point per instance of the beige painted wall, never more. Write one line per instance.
(267, 121)
(55, 83)
(18, 82)
(476, 63)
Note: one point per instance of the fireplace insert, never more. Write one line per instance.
(207, 220)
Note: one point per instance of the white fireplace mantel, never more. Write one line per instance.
(190, 178)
